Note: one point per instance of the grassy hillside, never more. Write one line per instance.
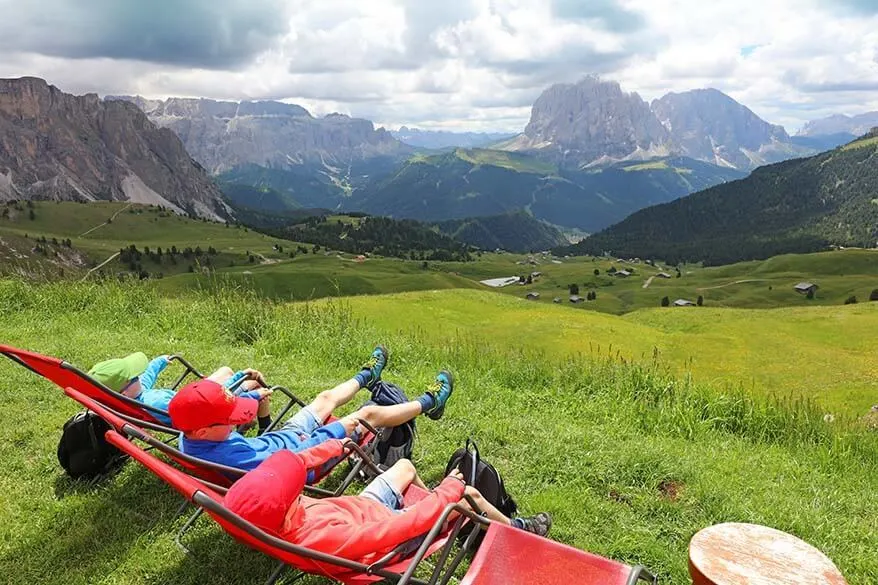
(313, 276)
(85, 225)
(757, 285)
(631, 462)
(802, 205)
(514, 161)
(517, 231)
(821, 353)
(472, 183)
(238, 251)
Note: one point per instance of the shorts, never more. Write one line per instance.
(303, 422)
(380, 490)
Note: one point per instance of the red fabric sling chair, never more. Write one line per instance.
(210, 498)
(215, 473)
(65, 374)
(507, 556)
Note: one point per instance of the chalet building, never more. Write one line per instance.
(806, 287)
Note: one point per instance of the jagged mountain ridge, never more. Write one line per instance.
(595, 122)
(708, 125)
(841, 124)
(223, 136)
(591, 122)
(58, 146)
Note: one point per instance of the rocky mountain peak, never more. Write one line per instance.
(707, 124)
(592, 119)
(595, 122)
(54, 145)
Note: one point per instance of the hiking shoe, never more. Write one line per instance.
(375, 364)
(440, 390)
(539, 524)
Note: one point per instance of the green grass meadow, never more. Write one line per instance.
(823, 354)
(631, 459)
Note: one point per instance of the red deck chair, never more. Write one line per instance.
(514, 557)
(216, 474)
(507, 556)
(389, 568)
(66, 375)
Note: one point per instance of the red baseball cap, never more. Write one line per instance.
(265, 495)
(205, 403)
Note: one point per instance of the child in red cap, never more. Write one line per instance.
(360, 528)
(207, 415)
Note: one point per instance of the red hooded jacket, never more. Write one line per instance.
(352, 527)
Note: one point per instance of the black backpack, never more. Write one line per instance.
(397, 442)
(484, 477)
(83, 451)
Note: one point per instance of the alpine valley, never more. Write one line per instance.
(591, 155)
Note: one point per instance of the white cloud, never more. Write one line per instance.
(476, 64)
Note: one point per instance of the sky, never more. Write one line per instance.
(466, 65)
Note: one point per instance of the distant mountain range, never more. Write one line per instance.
(58, 146)
(438, 139)
(595, 123)
(841, 124)
(226, 135)
(801, 205)
(590, 155)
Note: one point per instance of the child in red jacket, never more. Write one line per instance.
(360, 528)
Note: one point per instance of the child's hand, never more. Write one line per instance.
(350, 424)
(256, 375)
(264, 392)
(456, 474)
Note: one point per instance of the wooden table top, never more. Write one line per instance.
(749, 554)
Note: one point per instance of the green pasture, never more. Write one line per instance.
(825, 354)
(85, 225)
(764, 284)
(312, 276)
(761, 284)
(630, 460)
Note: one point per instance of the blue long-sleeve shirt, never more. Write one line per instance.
(161, 397)
(246, 453)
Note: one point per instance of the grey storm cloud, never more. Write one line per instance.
(613, 16)
(212, 34)
(314, 51)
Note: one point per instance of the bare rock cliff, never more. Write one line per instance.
(55, 145)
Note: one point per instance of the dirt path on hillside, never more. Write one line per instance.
(112, 217)
(648, 281)
(101, 265)
(731, 283)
